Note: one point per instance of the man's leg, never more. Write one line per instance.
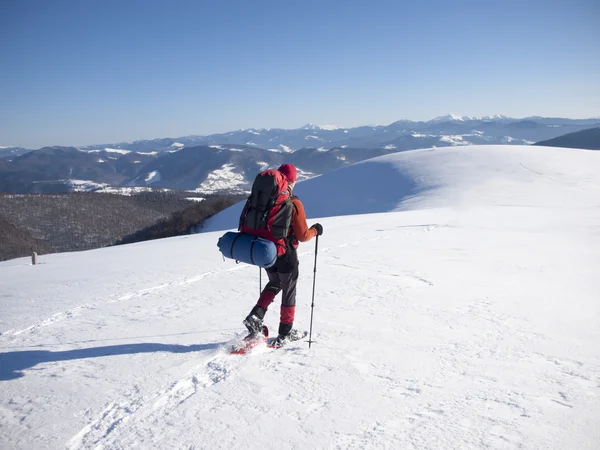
(254, 320)
(270, 291)
(288, 301)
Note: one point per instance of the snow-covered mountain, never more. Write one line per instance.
(494, 127)
(228, 162)
(457, 118)
(461, 312)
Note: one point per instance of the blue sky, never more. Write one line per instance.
(89, 71)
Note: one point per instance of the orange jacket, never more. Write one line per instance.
(299, 226)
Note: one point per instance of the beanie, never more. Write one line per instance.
(289, 171)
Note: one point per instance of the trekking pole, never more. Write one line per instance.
(312, 307)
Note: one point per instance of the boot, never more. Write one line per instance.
(281, 340)
(254, 320)
(285, 329)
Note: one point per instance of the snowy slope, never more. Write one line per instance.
(445, 177)
(465, 318)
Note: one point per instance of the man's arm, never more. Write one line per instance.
(301, 230)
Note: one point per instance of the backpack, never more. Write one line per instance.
(268, 210)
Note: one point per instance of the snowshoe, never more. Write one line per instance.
(280, 341)
(249, 342)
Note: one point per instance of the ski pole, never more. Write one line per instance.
(312, 307)
(259, 281)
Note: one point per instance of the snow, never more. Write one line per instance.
(110, 150)
(312, 126)
(285, 148)
(450, 118)
(456, 307)
(84, 185)
(312, 137)
(390, 147)
(129, 190)
(263, 165)
(225, 178)
(304, 174)
(220, 147)
(152, 177)
(177, 144)
(457, 118)
(454, 140)
(117, 150)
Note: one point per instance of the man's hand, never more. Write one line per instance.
(319, 228)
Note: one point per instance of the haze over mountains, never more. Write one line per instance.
(228, 162)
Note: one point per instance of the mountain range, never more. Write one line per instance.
(228, 162)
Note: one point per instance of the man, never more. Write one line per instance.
(283, 276)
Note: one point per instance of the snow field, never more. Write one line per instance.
(468, 318)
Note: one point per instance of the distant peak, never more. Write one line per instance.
(450, 118)
(312, 126)
(457, 118)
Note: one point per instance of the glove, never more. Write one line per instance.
(319, 228)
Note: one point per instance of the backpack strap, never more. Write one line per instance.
(292, 197)
(232, 245)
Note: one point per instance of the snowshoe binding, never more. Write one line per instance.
(280, 341)
(251, 341)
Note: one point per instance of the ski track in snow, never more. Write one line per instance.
(54, 319)
(139, 413)
(74, 312)
(127, 421)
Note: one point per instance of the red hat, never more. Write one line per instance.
(289, 171)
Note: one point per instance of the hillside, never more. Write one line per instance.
(15, 242)
(456, 307)
(587, 139)
(77, 221)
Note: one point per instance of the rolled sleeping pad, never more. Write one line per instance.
(248, 249)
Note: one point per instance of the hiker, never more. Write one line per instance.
(283, 275)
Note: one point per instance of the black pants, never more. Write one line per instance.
(283, 277)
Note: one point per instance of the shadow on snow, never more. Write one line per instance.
(13, 363)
